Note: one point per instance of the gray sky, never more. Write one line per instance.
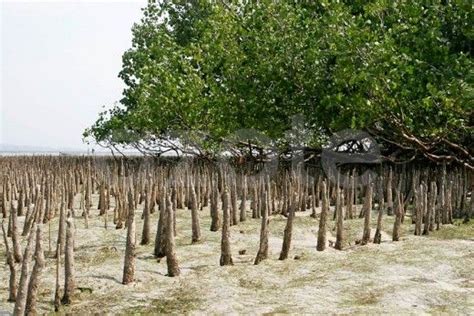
(59, 66)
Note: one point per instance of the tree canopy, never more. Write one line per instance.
(198, 71)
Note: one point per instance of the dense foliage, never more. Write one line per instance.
(401, 70)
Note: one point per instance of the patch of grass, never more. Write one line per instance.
(363, 299)
(363, 260)
(422, 280)
(463, 270)
(251, 283)
(182, 242)
(97, 257)
(314, 278)
(276, 226)
(467, 284)
(178, 301)
(456, 231)
(451, 303)
(278, 311)
(367, 299)
(305, 221)
(440, 309)
(45, 292)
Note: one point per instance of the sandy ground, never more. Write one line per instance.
(418, 275)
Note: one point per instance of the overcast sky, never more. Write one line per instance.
(59, 66)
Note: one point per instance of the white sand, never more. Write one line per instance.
(414, 276)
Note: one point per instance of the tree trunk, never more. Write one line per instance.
(146, 219)
(57, 289)
(367, 213)
(28, 219)
(160, 239)
(20, 302)
(153, 198)
(20, 203)
(449, 199)
(339, 219)
(255, 200)
(398, 218)
(471, 203)
(69, 270)
(226, 256)
(173, 205)
(11, 264)
(428, 206)
(102, 199)
(444, 207)
(215, 218)
(171, 260)
(195, 226)
(313, 201)
(15, 237)
(323, 218)
(36, 274)
(262, 253)
(243, 215)
(434, 197)
(378, 231)
(61, 244)
(288, 231)
(419, 210)
(129, 262)
(4, 203)
(233, 197)
(86, 205)
(389, 192)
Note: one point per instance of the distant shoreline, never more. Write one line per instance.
(60, 153)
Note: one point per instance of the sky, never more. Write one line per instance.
(59, 66)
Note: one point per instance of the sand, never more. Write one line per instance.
(417, 275)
